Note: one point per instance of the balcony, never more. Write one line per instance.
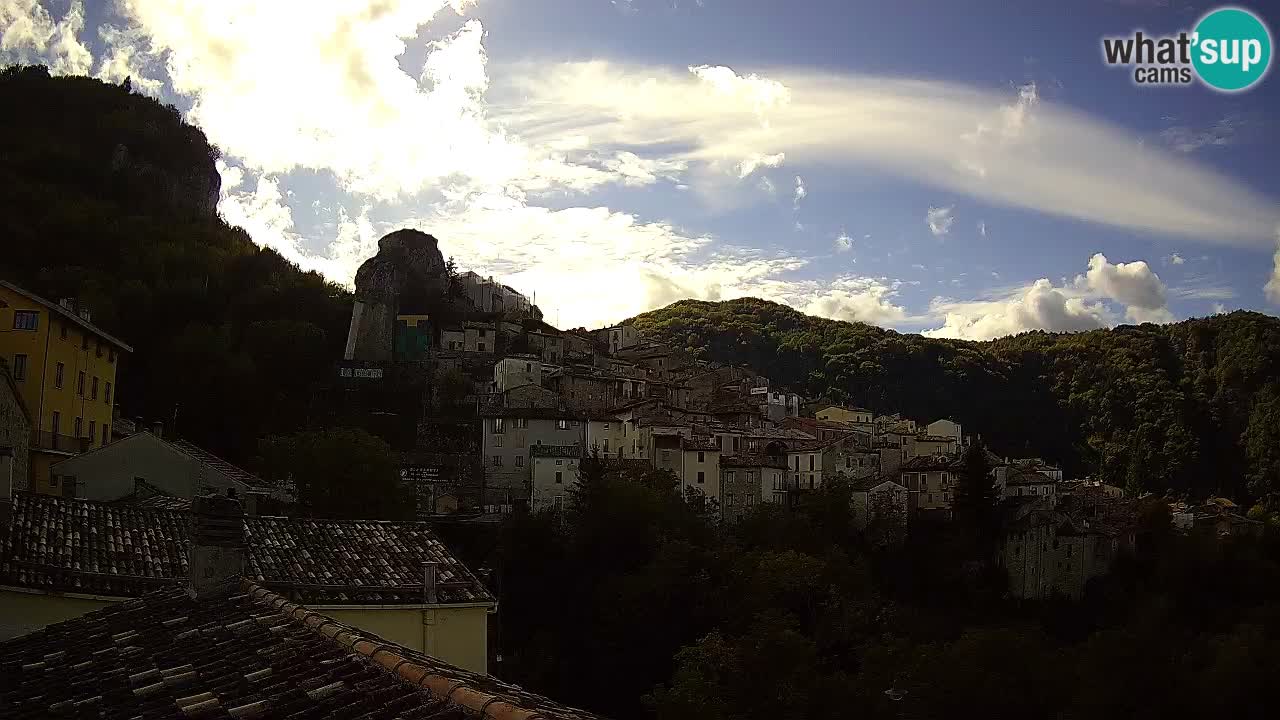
(45, 440)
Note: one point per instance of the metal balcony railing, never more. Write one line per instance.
(45, 440)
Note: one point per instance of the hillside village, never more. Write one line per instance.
(491, 412)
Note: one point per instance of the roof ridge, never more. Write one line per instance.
(486, 705)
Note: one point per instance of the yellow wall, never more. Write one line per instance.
(456, 635)
(23, 612)
(45, 348)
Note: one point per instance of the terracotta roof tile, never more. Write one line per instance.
(125, 550)
(244, 653)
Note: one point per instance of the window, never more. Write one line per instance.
(99, 348)
(557, 502)
(26, 320)
(497, 441)
(84, 341)
(729, 476)
(59, 374)
(751, 500)
(520, 422)
(497, 461)
(80, 384)
(559, 461)
(797, 459)
(53, 481)
(606, 444)
(497, 425)
(62, 331)
(78, 427)
(19, 367)
(666, 456)
(480, 347)
(562, 424)
(810, 461)
(93, 431)
(810, 481)
(106, 396)
(559, 477)
(702, 477)
(93, 390)
(520, 461)
(106, 433)
(56, 424)
(528, 367)
(751, 476)
(728, 499)
(111, 355)
(736, 443)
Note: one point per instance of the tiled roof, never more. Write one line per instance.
(752, 460)
(217, 463)
(700, 442)
(1026, 476)
(931, 462)
(146, 495)
(57, 309)
(242, 653)
(122, 550)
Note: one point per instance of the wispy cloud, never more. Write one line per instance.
(939, 219)
(982, 228)
(800, 192)
(1026, 153)
(1187, 139)
(844, 242)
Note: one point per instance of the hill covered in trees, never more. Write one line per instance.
(1190, 406)
(110, 197)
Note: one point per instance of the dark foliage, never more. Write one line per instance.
(1189, 406)
(108, 197)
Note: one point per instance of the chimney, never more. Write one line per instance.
(218, 552)
(157, 429)
(85, 315)
(429, 572)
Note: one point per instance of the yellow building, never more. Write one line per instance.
(65, 369)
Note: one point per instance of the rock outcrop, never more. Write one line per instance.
(407, 276)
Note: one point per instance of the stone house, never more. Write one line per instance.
(554, 471)
(930, 481)
(747, 481)
(879, 502)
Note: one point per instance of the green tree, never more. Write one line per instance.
(338, 473)
(974, 505)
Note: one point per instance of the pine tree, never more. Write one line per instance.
(975, 499)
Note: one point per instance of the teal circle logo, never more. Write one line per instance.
(1231, 49)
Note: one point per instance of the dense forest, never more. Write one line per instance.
(635, 604)
(1193, 406)
(110, 198)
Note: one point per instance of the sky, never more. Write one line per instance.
(964, 169)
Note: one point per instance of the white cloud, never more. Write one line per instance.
(844, 242)
(330, 95)
(1219, 308)
(749, 164)
(31, 35)
(1133, 284)
(1176, 259)
(1038, 307)
(123, 58)
(855, 299)
(1034, 154)
(766, 185)
(939, 219)
(800, 192)
(1075, 306)
(1272, 288)
(982, 228)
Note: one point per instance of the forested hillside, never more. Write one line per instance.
(109, 197)
(1193, 405)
